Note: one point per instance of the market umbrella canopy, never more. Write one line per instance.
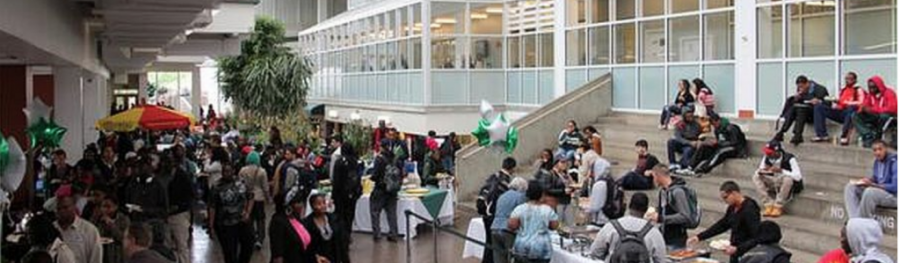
(149, 117)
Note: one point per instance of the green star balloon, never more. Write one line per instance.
(45, 133)
(481, 132)
(4, 153)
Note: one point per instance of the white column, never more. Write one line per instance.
(745, 56)
(426, 51)
(322, 8)
(196, 92)
(142, 87)
(94, 106)
(68, 110)
(559, 48)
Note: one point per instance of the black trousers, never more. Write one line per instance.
(236, 242)
(345, 210)
(488, 256)
(796, 115)
(708, 157)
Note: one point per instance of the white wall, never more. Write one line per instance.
(81, 99)
(232, 18)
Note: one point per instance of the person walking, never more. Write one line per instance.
(229, 217)
(346, 191)
(289, 240)
(501, 237)
(257, 182)
(80, 236)
(495, 185)
(326, 236)
(137, 240)
(532, 222)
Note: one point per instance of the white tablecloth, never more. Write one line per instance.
(363, 220)
(476, 231)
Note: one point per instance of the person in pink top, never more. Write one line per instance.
(705, 95)
(879, 106)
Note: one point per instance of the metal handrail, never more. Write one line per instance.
(435, 224)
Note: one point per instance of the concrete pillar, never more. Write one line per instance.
(745, 58)
(196, 92)
(69, 111)
(142, 87)
(559, 48)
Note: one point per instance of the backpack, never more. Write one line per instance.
(615, 199)
(764, 254)
(393, 178)
(487, 196)
(695, 212)
(631, 247)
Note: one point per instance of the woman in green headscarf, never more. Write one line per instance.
(257, 182)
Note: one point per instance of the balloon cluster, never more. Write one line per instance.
(494, 130)
(12, 167)
(42, 130)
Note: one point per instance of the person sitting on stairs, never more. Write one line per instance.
(728, 142)
(778, 174)
(685, 142)
(880, 189)
(639, 178)
(799, 108)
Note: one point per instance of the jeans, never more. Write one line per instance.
(236, 241)
(448, 164)
(869, 126)
(780, 184)
(635, 181)
(503, 240)
(822, 113)
(179, 233)
(667, 113)
(686, 151)
(388, 203)
(258, 220)
(862, 201)
(519, 259)
(563, 153)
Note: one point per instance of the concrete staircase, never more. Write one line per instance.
(811, 226)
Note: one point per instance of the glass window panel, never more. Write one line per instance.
(417, 19)
(449, 87)
(652, 85)
(529, 87)
(575, 47)
(575, 12)
(417, 87)
(372, 61)
(625, 43)
(546, 86)
(769, 85)
(546, 49)
(382, 57)
(769, 32)
(625, 9)
(514, 87)
(486, 85)
(680, 6)
(654, 7)
(684, 41)
(599, 45)
(448, 18)
(878, 19)
(487, 18)
(447, 52)
(390, 24)
(599, 11)
(676, 74)
(719, 39)
(624, 88)
(866, 68)
(595, 73)
(513, 59)
(821, 72)
(710, 4)
(403, 21)
(487, 52)
(415, 53)
(721, 78)
(654, 41)
(402, 57)
(812, 29)
(530, 50)
(575, 78)
(391, 54)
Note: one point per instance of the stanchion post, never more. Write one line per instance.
(408, 239)
(435, 230)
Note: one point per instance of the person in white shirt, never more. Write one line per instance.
(778, 173)
(79, 235)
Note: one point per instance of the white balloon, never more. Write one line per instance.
(37, 110)
(498, 129)
(486, 110)
(15, 169)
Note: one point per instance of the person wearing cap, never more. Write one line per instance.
(768, 250)
(257, 183)
(778, 173)
(879, 189)
(799, 108)
(729, 142)
(685, 142)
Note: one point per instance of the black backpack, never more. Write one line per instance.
(393, 178)
(615, 199)
(631, 247)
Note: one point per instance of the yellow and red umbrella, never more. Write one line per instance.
(149, 117)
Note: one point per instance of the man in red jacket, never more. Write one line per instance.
(879, 106)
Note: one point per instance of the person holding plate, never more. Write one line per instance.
(741, 217)
(863, 196)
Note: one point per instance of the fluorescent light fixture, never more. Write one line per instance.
(355, 116)
(188, 32)
(479, 16)
(494, 10)
(445, 21)
(820, 3)
(419, 25)
(146, 49)
(435, 25)
(215, 11)
(333, 114)
(878, 46)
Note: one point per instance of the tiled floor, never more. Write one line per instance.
(363, 248)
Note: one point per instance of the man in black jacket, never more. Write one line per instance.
(768, 249)
(730, 142)
(685, 142)
(741, 217)
(639, 178)
(799, 108)
(381, 199)
(494, 186)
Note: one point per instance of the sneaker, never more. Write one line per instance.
(776, 211)
(392, 239)
(779, 136)
(258, 245)
(797, 140)
(685, 172)
(767, 210)
(674, 167)
(663, 127)
(820, 139)
(845, 141)
(376, 238)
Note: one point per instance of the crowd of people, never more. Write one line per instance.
(574, 186)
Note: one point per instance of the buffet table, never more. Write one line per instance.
(477, 231)
(438, 203)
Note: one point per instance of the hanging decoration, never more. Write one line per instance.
(12, 167)
(41, 128)
(494, 130)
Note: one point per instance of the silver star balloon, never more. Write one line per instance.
(486, 110)
(37, 110)
(15, 169)
(497, 131)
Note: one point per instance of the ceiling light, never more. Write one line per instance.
(445, 21)
(435, 25)
(820, 3)
(215, 12)
(146, 49)
(494, 10)
(479, 16)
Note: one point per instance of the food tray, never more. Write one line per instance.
(685, 254)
